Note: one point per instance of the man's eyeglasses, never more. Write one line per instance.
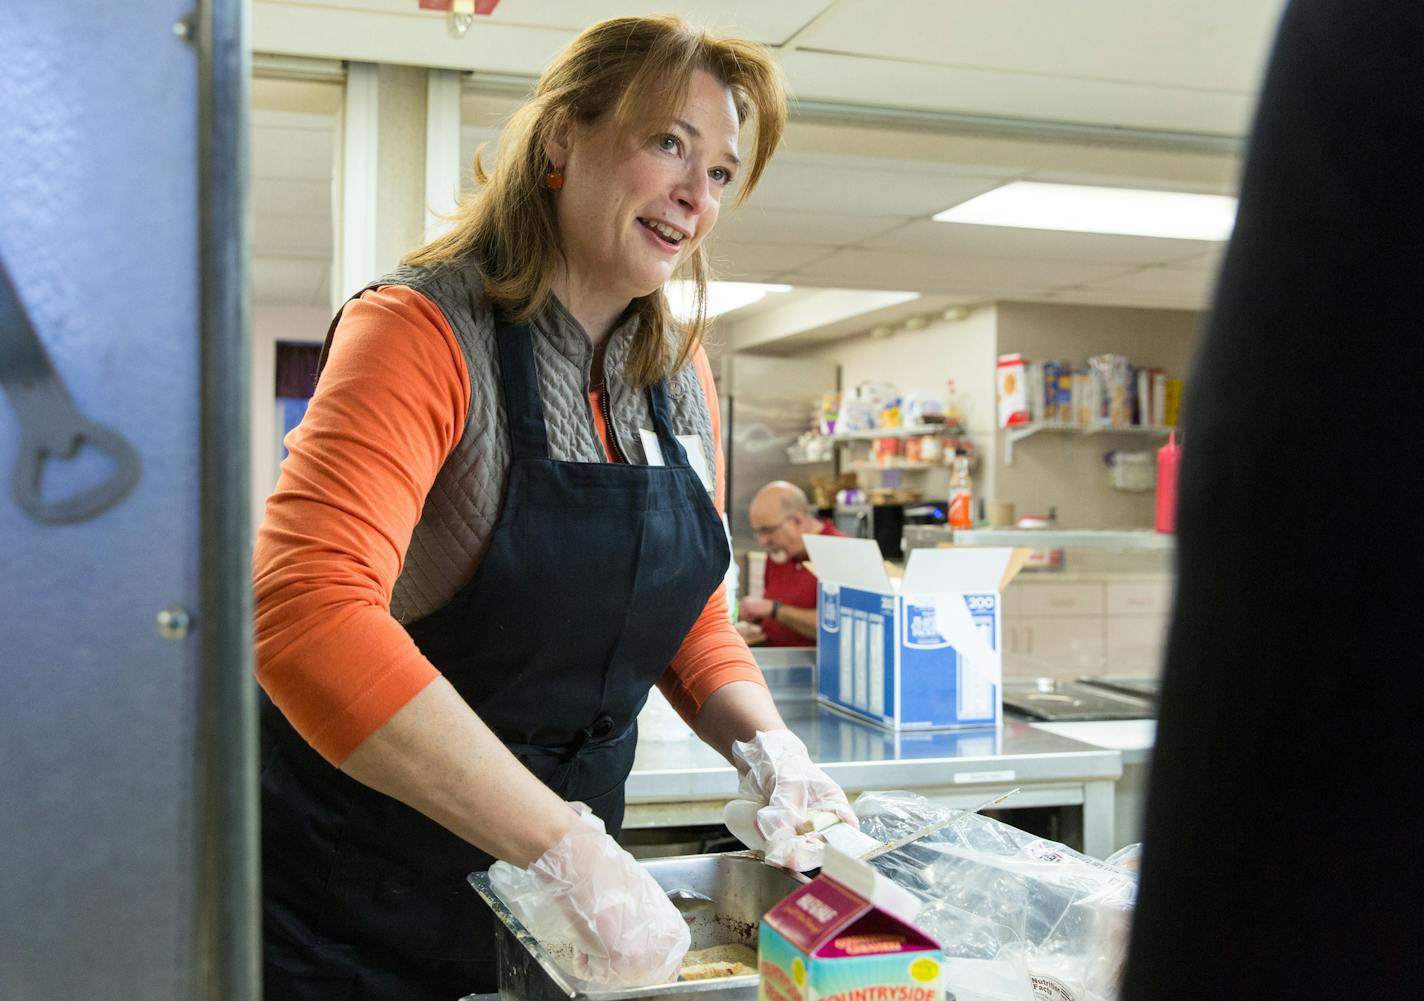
(762, 533)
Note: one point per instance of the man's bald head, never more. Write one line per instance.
(781, 514)
(783, 497)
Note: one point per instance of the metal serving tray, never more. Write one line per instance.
(1142, 688)
(742, 888)
(1051, 700)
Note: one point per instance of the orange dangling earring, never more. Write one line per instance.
(554, 179)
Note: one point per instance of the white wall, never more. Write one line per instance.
(271, 324)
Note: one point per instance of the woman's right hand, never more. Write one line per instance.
(589, 891)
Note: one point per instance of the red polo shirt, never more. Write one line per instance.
(791, 584)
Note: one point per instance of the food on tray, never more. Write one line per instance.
(733, 960)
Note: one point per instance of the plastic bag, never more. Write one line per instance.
(1020, 918)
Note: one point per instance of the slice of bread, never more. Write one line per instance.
(713, 970)
(731, 960)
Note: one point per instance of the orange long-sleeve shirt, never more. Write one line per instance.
(391, 404)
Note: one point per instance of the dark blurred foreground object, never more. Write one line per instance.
(1279, 858)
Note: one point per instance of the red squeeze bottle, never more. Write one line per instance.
(1169, 456)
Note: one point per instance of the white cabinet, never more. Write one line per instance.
(1135, 644)
(1139, 597)
(1065, 646)
(1138, 614)
(1055, 628)
(1051, 598)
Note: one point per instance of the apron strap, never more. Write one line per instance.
(527, 436)
(673, 454)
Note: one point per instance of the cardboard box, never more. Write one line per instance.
(847, 935)
(919, 652)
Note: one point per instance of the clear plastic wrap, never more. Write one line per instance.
(1020, 918)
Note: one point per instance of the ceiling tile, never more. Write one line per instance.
(1208, 261)
(292, 152)
(998, 94)
(291, 281)
(287, 196)
(287, 234)
(1033, 244)
(886, 269)
(1113, 297)
(770, 23)
(755, 223)
(790, 183)
(1167, 281)
(760, 261)
(1206, 44)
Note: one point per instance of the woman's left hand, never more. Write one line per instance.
(790, 788)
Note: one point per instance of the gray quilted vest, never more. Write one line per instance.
(464, 503)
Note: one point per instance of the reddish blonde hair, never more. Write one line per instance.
(639, 69)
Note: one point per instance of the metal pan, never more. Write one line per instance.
(742, 889)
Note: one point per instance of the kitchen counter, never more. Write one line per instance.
(684, 782)
(1133, 737)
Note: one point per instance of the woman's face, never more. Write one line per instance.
(630, 216)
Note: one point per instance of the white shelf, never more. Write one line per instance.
(1048, 538)
(909, 467)
(913, 431)
(1013, 435)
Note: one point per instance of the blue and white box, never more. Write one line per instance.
(916, 652)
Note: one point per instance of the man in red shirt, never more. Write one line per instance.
(781, 517)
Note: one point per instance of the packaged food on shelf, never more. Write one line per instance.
(953, 409)
(1010, 392)
(1115, 374)
(1173, 405)
(890, 415)
(860, 408)
(923, 406)
(888, 451)
(829, 413)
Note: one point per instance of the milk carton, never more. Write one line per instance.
(918, 652)
(847, 935)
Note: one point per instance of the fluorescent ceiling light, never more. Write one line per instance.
(722, 297)
(1083, 209)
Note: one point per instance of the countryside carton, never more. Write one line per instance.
(847, 936)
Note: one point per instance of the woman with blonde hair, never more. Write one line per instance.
(497, 527)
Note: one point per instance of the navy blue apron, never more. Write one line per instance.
(594, 575)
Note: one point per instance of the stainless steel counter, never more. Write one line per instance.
(679, 783)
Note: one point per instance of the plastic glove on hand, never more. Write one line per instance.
(791, 794)
(589, 891)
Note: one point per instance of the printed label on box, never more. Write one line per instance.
(830, 608)
(851, 941)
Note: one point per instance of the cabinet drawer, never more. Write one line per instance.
(1064, 647)
(1061, 599)
(1140, 597)
(1010, 604)
(1136, 644)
